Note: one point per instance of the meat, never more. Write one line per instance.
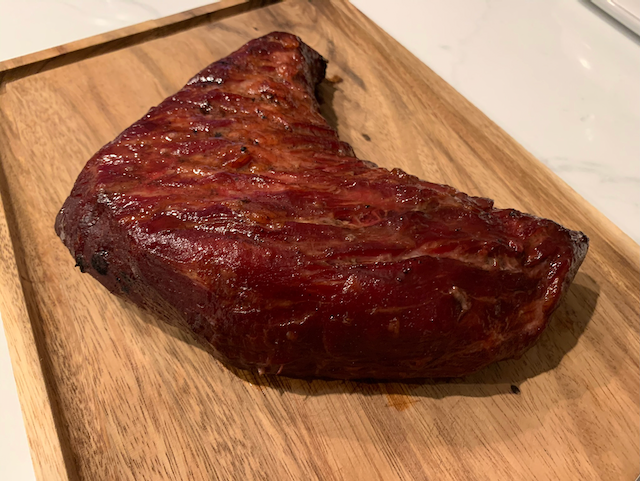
(233, 209)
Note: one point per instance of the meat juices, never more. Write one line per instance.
(233, 209)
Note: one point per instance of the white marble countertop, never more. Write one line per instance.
(559, 76)
(29, 26)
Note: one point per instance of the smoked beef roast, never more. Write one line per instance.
(234, 209)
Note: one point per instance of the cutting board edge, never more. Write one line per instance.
(78, 50)
(36, 403)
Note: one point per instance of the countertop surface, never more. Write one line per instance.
(560, 76)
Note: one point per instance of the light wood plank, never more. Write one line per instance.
(37, 405)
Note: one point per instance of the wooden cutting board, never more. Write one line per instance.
(109, 392)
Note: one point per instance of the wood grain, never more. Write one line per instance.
(37, 404)
(122, 37)
(139, 400)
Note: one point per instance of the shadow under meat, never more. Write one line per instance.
(325, 92)
(561, 335)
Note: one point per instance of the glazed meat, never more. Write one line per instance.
(233, 209)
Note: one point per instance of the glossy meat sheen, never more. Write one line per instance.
(233, 208)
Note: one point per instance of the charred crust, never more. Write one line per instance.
(125, 281)
(99, 263)
(124, 287)
(80, 263)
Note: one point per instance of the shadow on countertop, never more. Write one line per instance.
(598, 12)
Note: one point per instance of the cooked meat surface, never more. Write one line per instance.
(233, 209)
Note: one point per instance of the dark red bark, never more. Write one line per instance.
(234, 207)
